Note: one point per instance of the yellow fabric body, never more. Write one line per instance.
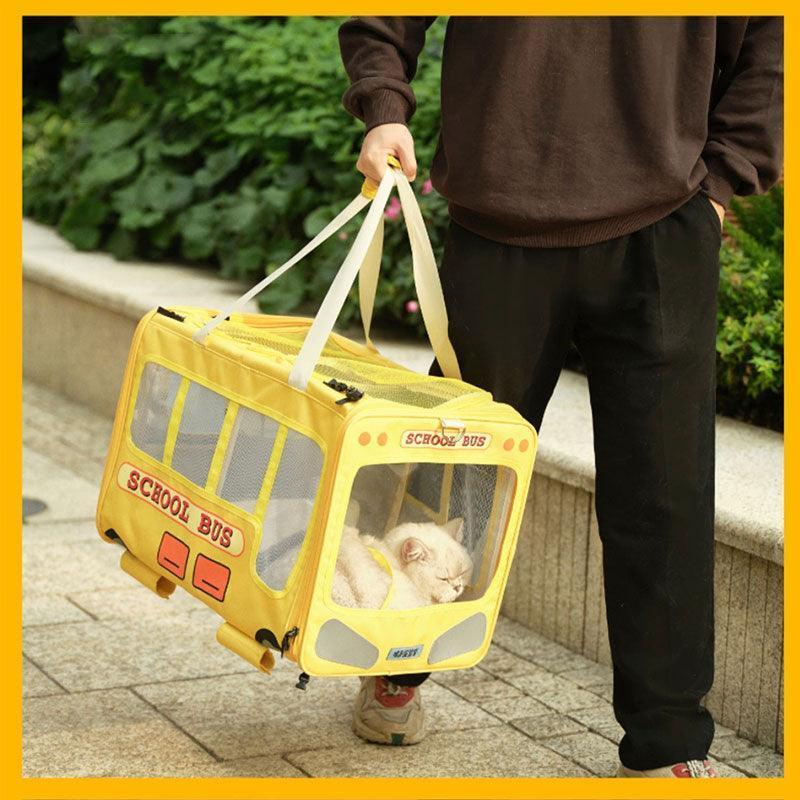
(247, 360)
(270, 583)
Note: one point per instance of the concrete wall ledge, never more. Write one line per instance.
(749, 476)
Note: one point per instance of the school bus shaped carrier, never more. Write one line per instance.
(243, 444)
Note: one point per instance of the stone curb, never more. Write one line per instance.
(749, 459)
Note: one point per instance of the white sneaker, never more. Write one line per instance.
(386, 713)
(686, 769)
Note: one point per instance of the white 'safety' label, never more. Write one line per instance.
(397, 653)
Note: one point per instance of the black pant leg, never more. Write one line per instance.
(510, 312)
(646, 331)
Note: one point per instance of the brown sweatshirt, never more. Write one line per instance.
(565, 131)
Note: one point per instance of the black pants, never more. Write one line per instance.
(641, 310)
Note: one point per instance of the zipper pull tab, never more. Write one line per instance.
(351, 395)
(287, 639)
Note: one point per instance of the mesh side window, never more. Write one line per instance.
(289, 509)
(246, 460)
(203, 412)
(157, 390)
(443, 525)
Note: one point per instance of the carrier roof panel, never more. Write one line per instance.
(341, 359)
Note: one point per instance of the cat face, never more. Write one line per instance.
(433, 557)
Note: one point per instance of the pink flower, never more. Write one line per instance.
(412, 306)
(427, 187)
(393, 209)
(343, 236)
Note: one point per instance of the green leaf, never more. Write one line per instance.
(108, 168)
(210, 72)
(285, 294)
(218, 165)
(83, 237)
(240, 215)
(166, 191)
(316, 221)
(135, 218)
(122, 244)
(85, 211)
(114, 134)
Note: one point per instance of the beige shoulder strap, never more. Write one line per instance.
(364, 258)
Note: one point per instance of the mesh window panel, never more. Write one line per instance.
(372, 375)
(394, 509)
(203, 412)
(425, 484)
(246, 459)
(157, 390)
(289, 509)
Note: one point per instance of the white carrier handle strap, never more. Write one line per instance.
(365, 255)
(339, 221)
(362, 255)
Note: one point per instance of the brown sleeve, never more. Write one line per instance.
(744, 150)
(380, 56)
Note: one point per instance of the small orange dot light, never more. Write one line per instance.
(364, 438)
(382, 439)
(523, 445)
(508, 444)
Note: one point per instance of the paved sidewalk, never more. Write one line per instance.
(118, 682)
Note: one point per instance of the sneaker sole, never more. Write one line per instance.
(391, 739)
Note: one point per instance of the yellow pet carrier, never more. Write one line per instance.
(248, 448)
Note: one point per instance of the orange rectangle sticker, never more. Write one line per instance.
(211, 577)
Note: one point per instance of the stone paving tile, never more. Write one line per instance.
(255, 714)
(482, 691)
(71, 567)
(256, 767)
(556, 692)
(49, 609)
(72, 455)
(523, 642)
(41, 400)
(453, 678)
(591, 751)
(505, 665)
(727, 771)
(110, 733)
(589, 677)
(103, 654)
(599, 719)
(43, 534)
(546, 725)
(605, 692)
(67, 495)
(511, 708)
(497, 752)
(35, 683)
(134, 601)
(734, 750)
(765, 765)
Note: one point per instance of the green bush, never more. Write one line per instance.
(750, 335)
(222, 141)
(219, 141)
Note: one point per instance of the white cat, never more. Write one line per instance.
(428, 562)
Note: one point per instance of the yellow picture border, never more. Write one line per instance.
(12, 784)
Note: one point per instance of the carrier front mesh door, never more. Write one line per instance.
(423, 533)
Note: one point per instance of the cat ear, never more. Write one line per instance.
(455, 527)
(414, 550)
